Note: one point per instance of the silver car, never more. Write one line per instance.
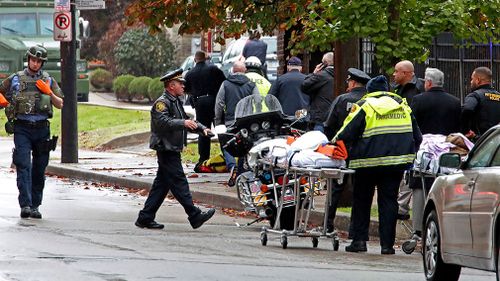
(461, 217)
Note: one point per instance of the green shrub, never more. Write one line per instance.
(120, 86)
(101, 79)
(138, 88)
(155, 89)
(140, 53)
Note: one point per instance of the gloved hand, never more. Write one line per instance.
(44, 87)
(3, 101)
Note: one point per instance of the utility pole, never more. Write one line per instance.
(69, 122)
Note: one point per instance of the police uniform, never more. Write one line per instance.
(339, 110)
(168, 138)
(481, 110)
(202, 84)
(28, 113)
(383, 137)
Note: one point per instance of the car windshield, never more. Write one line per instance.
(25, 24)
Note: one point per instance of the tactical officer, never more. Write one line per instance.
(30, 95)
(340, 108)
(383, 137)
(169, 127)
(481, 109)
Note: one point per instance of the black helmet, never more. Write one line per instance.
(37, 51)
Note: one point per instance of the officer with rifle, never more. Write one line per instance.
(28, 97)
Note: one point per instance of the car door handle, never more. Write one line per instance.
(470, 185)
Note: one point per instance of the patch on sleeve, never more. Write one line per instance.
(160, 106)
(354, 107)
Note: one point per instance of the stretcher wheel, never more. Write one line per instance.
(284, 242)
(263, 238)
(315, 242)
(336, 243)
(409, 246)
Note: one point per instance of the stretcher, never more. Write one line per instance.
(425, 167)
(303, 202)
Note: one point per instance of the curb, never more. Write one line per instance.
(342, 220)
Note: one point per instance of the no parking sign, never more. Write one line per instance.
(62, 26)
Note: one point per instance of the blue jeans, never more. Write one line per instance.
(30, 163)
(231, 162)
(319, 127)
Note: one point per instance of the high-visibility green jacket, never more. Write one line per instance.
(260, 81)
(380, 131)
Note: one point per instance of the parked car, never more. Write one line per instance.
(235, 49)
(187, 64)
(216, 58)
(461, 217)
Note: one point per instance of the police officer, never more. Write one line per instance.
(481, 109)
(256, 75)
(340, 108)
(383, 137)
(202, 84)
(169, 127)
(30, 95)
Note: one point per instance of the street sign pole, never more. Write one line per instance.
(69, 122)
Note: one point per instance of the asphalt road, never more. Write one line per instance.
(87, 233)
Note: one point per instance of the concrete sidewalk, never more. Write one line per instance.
(135, 167)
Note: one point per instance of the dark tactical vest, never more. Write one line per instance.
(488, 112)
(29, 100)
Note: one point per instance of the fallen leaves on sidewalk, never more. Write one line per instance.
(234, 213)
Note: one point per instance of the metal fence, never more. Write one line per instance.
(457, 60)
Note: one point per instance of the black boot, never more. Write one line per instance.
(201, 218)
(356, 246)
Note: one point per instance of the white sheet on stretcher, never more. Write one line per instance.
(310, 158)
(301, 152)
(432, 146)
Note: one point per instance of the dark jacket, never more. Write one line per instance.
(319, 87)
(410, 89)
(481, 110)
(287, 89)
(236, 87)
(437, 112)
(257, 48)
(167, 124)
(339, 110)
(203, 79)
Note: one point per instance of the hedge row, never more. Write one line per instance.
(127, 87)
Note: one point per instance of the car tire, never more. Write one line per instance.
(434, 267)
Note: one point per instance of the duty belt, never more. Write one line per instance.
(32, 124)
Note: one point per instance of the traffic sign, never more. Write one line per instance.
(62, 26)
(62, 5)
(90, 4)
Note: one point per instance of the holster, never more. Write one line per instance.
(9, 127)
(45, 146)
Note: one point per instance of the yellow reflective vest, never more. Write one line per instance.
(380, 131)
